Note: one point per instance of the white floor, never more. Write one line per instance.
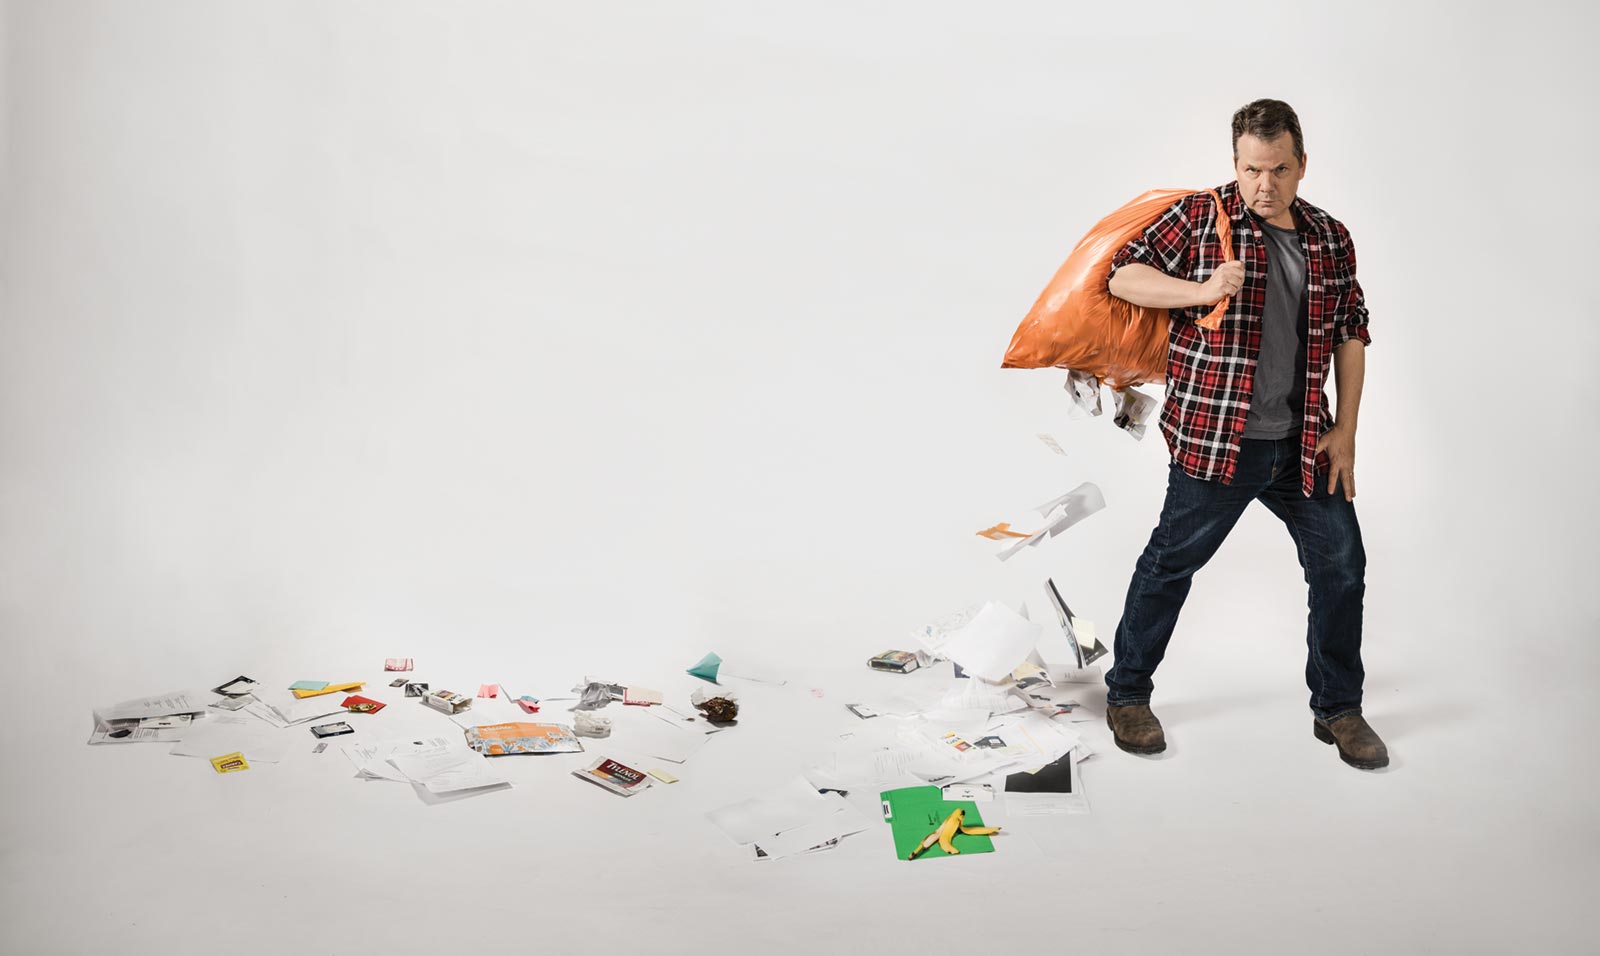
(1247, 836)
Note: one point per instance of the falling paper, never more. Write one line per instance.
(1062, 513)
(1051, 443)
(1133, 411)
(996, 641)
(1074, 646)
(1002, 531)
(935, 635)
(1085, 392)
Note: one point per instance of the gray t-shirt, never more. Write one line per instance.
(1278, 402)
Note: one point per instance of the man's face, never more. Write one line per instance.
(1268, 173)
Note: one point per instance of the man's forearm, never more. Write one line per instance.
(1150, 287)
(1349, 370)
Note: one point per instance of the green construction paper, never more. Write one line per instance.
(914, 812)
(707, 668)
(308, 685)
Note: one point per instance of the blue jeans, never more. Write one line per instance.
(1197, 516)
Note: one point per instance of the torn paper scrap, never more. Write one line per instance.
(1134, 409)
(1051, 443)
(996, 641)
(1002, 531)
(641, 696)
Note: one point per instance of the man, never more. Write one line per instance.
(1246, 419)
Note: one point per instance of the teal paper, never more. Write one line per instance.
(707, 668)
(308, 685)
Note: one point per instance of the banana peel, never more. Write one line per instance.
(953, 825)
(947, 830)
(945, 835)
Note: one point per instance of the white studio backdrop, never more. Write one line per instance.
(562, 339)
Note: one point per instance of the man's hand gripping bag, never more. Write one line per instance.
(1078, 324)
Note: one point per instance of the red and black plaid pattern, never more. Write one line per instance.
(1211, 374)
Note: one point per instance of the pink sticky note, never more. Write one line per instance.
(489, 690)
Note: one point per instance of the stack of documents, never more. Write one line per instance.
(164, 718)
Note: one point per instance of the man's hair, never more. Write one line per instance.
(1267, 120)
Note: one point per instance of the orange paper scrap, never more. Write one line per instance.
(1000, 531)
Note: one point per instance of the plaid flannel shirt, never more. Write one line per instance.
(1211, 374)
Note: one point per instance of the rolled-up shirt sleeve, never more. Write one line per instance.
(1165, 245)
(1350, 311)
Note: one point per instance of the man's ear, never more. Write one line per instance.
(1303, 158)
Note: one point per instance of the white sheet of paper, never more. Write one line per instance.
(227, 733)
(937, 633)
(448, 772)
(976, 694)
(160, 705)
(1047, 804)
(747, 671)
(683, 720)
(372, 758)
(1077, 504)
(996, 641)
(841, 820)
(976, 792)
(290, 713)
(794, 804)
(636, 733)
(967, 723)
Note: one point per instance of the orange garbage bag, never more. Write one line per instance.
(1078, 324)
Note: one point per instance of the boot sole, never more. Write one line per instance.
(1326, 736)
(1144, 751)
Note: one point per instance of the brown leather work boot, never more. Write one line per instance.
(1135, 729)
(1359, 745)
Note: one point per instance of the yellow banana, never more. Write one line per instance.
(948, 829)
(980, 831)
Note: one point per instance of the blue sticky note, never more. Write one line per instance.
(707, 668)
(308, 685)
